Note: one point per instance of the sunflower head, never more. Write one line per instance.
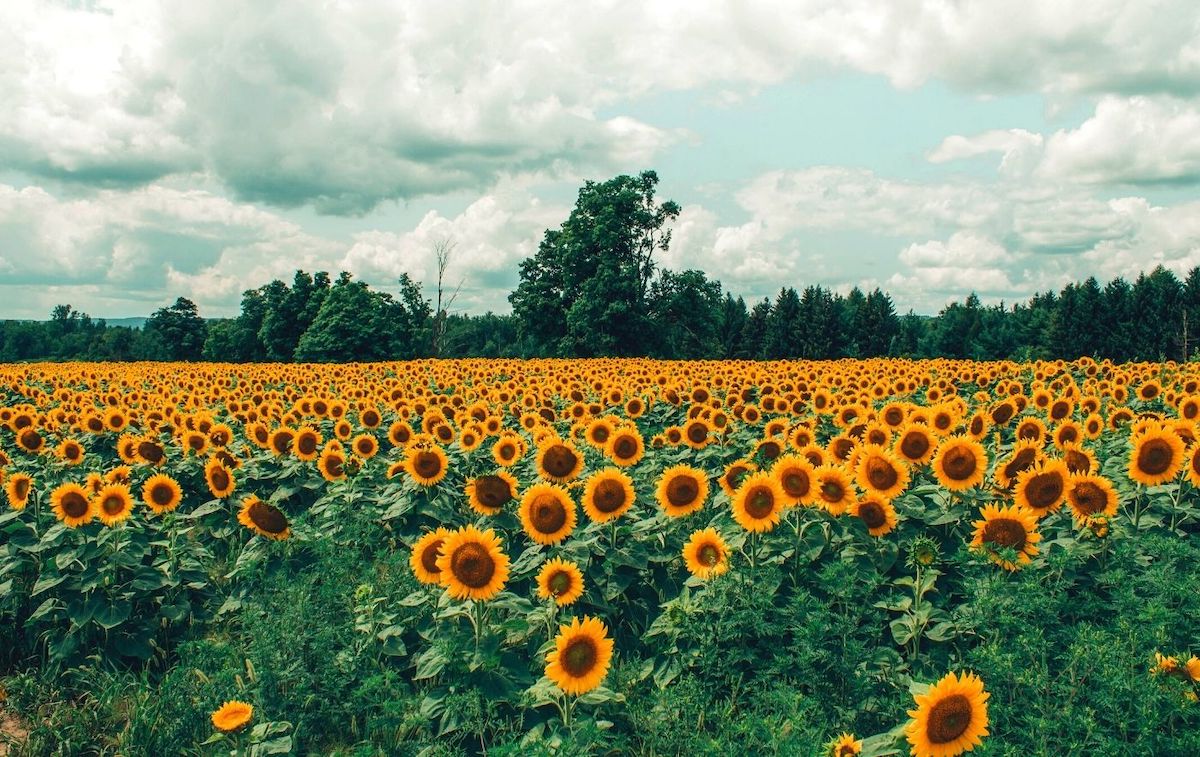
(1007, 535)
(113, 504)
(608, 494)
(960, 463)
(759, 502)
(681, 490)
(1156, 456)
(560, 580)
(264, 519)
(950, 718)
(425, 553)
(232, 716)
(72, 505)
(472, 564)
(547, 513)
(488, 494)
(581, 656)
(880, 472)
(706, 554)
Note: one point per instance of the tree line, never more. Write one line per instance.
(593, 288)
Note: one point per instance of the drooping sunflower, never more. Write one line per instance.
(608, 494)
(758, 502)
(1010, 528)
(161, 493)
(426, 464)
(219, 479)
(547, 513)
(880, 472)
(833, 489)
(264, 519)
(581, 656)
(488, 494)
(232, 716)
(681, 490)
(332, 462)
(795, 475)
(1156, 457)
(113, 504)
(17, 488)
(877, 514)
(71, 505)
(960, 463)
(915, 444)
(1042, 489)
(1091, 495)
(559, 462)
(472, 564)
(950, 719)
(425, 552)
(706, 554)
(560, 580)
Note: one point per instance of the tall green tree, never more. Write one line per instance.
(179, 330)
(686, 310)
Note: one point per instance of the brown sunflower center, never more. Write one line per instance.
(796, 482)
(1154, 457)
(492, 491)
(559, 583)
(219, 478)
(1020, 461)
(1005, 532)
(473, 565)
(1044, 489)
(1002, 413)
(113, 505)
(580, 657)
(429, 556)
(161, 494)
(759, 502)
(268, 517)
(959, 463)
(547, 514)
(560, 461)
(625, 447)
(881, 474)
(307, 444)
(914, 445)
(334, 465)
(1077, 462)
(682, 490)
(507, 451)
(150, 452)
(832, 491)
(370, 418)
(893, 416)
(31, 439)
(770, 450)
(608, 496)
(427, 464)
(21, 488)
(74, 505)
(708, 555)
(949, 719)
(600, 434)
(1089, 498)
(282, 441)
(697, 432)
(872, 514)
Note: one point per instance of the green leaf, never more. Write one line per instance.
(110, 616)
(207, 508)
(45, 583)
(429, 664)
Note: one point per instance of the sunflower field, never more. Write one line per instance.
(571, 557)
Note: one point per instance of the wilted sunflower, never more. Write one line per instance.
(880, 472)
(795, 474)
(608, 494)
(425, 556)
(472, 564)
(559, 462)
(706, 554)
(876, 513)
(113, 504)
(547, 513)
(833, 489)
(264, 519)
(625, 446)
(1156, 457)
(681, 490)
(488, 494)
(960, 463)
(951, 717)
(1091, 495)
(426, 464)
(758, 502)
(232, 716)
(1042, 489)
(581, 656)
(1010, 528)
(17, 488)
(161, 493)
(561, 581)
(71, 505)
(219, 479)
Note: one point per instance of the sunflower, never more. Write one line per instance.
(488, 494)
(597, 432)
(1078, 458)
(1156, 457)
(365, 446)
(559, 462)
(834, 491)
(507, 450)
(306, 444)
(880, 473)
(426, 464)
(1025, 454)
(758, 501)
(706, 554)
(681, 490)
(70, 451)
(731, 477)
(914, 444)
(696, 433)
(219, 479)
(71, 505)
(472, 564)
(113, 504)
(17, 487)
(161, 493)
(1091, 495)
(877, 514)
(150, 452)
(232, 716)
(264, 519)
(1042, 489)
(608, 494)
(561, 581)
(425, 556)
(581, 656)
(547, 513)
(951, 717)
(959, 463)
(795, 475)
(625, 446)
(844, 745)
(332, 462)
(282, 440)
(1010, 528)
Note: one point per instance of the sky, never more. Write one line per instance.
(150, 150)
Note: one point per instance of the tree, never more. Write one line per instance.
(443, 249)
(783, 326)
(687, 310)
(289, 312)
(585, 290)
(179, 330)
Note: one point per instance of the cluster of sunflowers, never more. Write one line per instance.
(731, 449)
